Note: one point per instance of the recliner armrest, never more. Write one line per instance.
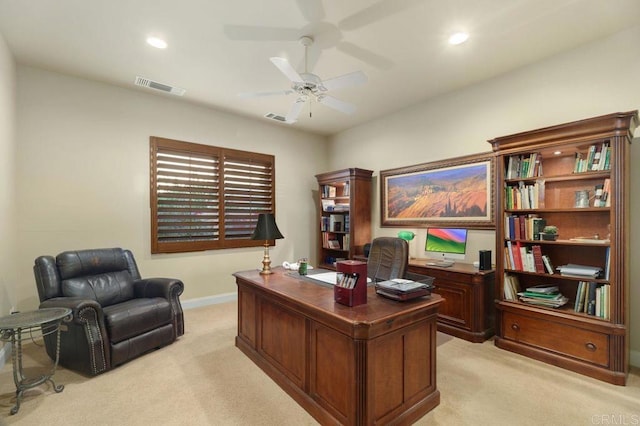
(168, 288)
(158, 287)
(84, 345)
(77, 306)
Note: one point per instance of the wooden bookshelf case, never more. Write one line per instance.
(344, 215)
(594, 344)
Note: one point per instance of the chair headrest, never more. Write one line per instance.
(81, 263)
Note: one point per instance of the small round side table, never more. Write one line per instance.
(12, 327)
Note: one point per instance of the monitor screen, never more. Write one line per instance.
(448, 243)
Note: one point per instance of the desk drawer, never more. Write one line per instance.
(576, 342)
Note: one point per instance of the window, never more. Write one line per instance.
(205, 197)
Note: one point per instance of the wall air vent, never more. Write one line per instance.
(145, 82)
(272, 116)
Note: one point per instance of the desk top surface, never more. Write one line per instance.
(319, 298)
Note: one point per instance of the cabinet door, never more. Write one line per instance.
(282, 340)
(457, 307)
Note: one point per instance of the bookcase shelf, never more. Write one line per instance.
(574, 176)
(344, 215)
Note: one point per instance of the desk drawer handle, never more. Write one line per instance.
(591, 346)
(515, 327)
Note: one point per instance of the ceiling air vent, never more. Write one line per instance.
(272, 116)
(145, 82)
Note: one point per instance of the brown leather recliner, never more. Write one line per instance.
(117, 316)
(388, 258)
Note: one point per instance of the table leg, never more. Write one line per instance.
(21, 382)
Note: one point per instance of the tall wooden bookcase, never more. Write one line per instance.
(344, 214)
(561, 161)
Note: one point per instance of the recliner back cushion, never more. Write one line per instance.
(107, 289)
(82, 263)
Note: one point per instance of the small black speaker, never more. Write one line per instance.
(485, 260)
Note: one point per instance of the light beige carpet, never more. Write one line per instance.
(203, 379)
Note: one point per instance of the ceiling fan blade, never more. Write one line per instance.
(285, 67)
(261, 94)
(312, 10)
(376, 12)
(347, 80)
(337, 104)
(295, 110)
(365, 55)
(251, 33)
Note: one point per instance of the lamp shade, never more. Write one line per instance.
(266, 229)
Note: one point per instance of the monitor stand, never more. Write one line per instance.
(444, 263)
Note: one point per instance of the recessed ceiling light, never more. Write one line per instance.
(458, 38)
(157, 42)
(557, 152)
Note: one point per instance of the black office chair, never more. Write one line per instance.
(388, 259)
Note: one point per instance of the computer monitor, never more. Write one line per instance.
(446, 243)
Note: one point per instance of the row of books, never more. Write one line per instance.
(523, 227)
(542, 295)
(597, 157)
(593, 299)
(332, 206)
(602, 194)
(335, 241)
(525, 196)
(520, 257)
(335, 223)
(524, 166)
(331, 191)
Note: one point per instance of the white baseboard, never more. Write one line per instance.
(209, 300)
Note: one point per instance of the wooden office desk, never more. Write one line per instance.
(370, 364)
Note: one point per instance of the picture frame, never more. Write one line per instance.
(457, 192)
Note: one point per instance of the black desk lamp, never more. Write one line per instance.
(266, 230)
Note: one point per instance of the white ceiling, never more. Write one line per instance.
(220, 48)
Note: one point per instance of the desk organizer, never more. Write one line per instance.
(358, 294)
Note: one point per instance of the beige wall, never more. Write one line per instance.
(596, 79)
(83, 177)
(8, 143)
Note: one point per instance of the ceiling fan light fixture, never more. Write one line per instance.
(458, 38)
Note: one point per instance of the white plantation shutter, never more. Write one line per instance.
(205, 197)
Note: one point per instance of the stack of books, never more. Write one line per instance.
(581, 271)
(543, 295)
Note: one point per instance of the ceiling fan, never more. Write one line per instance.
(309, 87)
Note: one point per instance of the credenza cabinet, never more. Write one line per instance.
(468, 310)
(574, 176)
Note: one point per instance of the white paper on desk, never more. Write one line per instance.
(328, 277)
(325, 277)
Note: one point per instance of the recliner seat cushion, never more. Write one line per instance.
(107, 289)
(136, 316)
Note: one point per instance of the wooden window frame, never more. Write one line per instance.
(224, 190)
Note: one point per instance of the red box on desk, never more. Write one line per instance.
(358, 294)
